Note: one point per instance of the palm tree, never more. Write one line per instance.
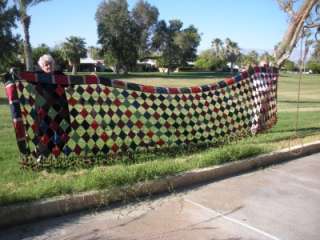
(308, 42)
(25, 20)
(232, 52)
(8, 40)
(74, 49)
(267, 58)
(217, 46)
(316, 53)
(249, 59)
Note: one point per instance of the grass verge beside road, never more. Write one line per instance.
(17, 185)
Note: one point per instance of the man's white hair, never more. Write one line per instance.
(45, 58)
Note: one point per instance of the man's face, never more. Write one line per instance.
(47, 67)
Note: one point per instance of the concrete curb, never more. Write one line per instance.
(23, 213)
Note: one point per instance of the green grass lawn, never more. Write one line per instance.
(18, 185)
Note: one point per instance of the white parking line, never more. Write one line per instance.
(233, 220)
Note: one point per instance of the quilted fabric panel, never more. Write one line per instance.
(57, 116)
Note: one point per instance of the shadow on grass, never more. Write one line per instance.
(3, 101)
(285, 75)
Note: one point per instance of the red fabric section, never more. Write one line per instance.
(139, 124)
(104, 136)
(11, 90)
(117, 102)
(174, 90)
(156, 115)
(213, 87)
(89, 89)
(20, 132)
(77, 150)
(44, 139)
(128, 113)
(195, 89)
(54, 126)
(61, 79)
(106, 91)
(94, 125)
(60, 90)
(72, 101)
(84, 113)
(229, 81)
(134, 94)
(149, 89)
(150, 134)
(244, 75)
(91, 79)
(56, 151)
(114, 147)
(42, 113)
(118, 83)
(29, 76)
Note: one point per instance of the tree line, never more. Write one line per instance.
(127, 36)
(124, 36)
(228, 51)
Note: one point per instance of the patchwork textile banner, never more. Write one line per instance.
(58, 116)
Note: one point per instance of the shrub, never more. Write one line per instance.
(314, 66)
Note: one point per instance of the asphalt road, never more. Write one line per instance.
(279, 202)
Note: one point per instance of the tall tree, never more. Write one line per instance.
(208, 60)
(299, 19)
(267, 57)
(25, 21)
(289, 65)
(58, 55)
(8, 41)
(251, 58)
(217, 46)
(187, 40)
(232, 52)
(316, 51)
(118, 34)
(37, 52)
(175, 45)
(146, 17)
(95, 52)
(313, 63)
(163, 42)
(308, 42)
(73, 49)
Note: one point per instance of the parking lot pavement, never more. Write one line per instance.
(279, 202)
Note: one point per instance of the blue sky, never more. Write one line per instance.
(253, 24)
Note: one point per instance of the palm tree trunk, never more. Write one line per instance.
(74, 69)
(231, 67)
(125, 70)
(117, 67)
(25, 22)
